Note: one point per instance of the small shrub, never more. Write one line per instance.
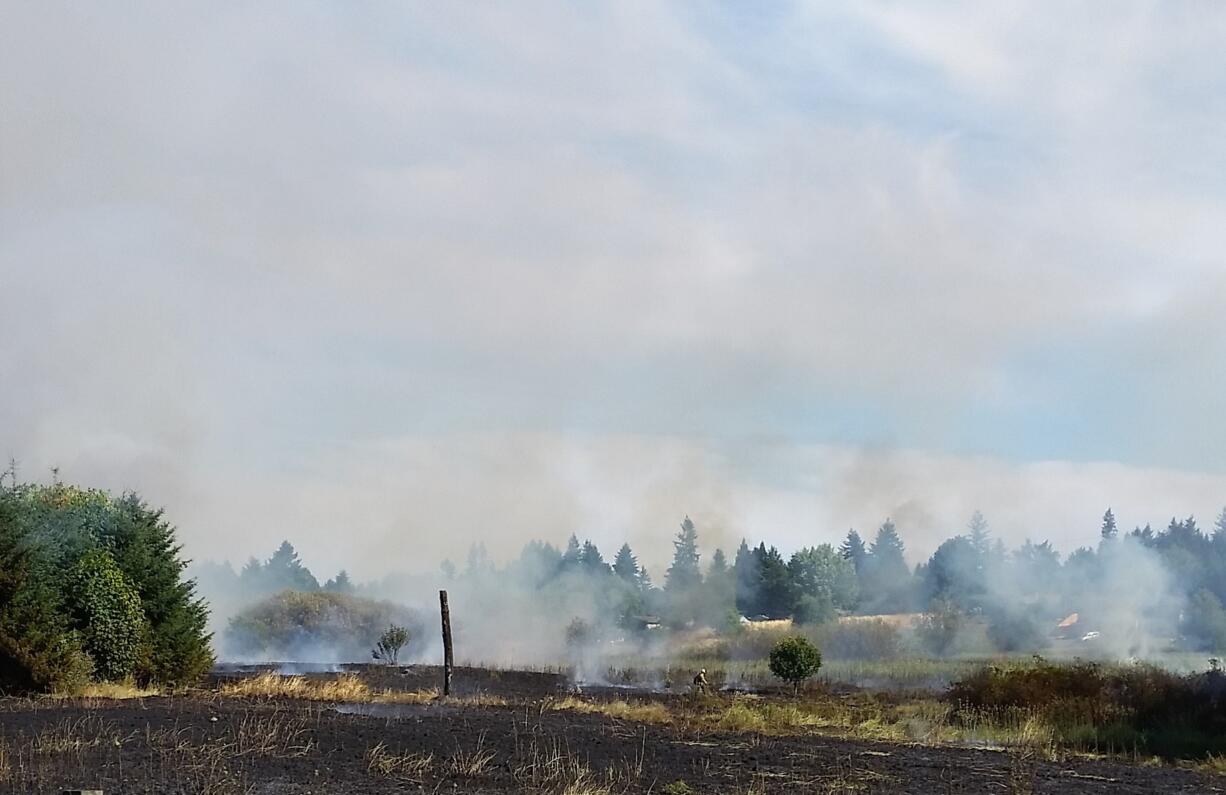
(390, 643)
(794, 659)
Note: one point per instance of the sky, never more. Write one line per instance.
(386, 279)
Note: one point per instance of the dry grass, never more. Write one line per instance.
(114, 691)
(642, 712)
(471, 764)
(347, 687)
(401, 765)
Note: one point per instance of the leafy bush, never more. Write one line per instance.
(109, 610)
(79, 570)
(317, 626)
(390, 643)
(794, 659)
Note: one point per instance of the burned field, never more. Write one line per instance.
(502, 732)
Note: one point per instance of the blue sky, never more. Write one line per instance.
(440, 273)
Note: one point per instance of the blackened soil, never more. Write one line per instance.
(206, 744)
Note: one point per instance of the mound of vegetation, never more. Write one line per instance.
(1097, 707)
(91, 586)
(317, 626)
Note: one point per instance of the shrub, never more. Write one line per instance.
(1088, 705)
(794, 659)
(109, 610)
(77, 567)
(938, 628)
(316, 625)
(390, 643)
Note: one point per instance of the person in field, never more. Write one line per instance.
(700, 681)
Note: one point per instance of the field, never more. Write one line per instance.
(374, 729)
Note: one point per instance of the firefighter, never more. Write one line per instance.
(700, 681)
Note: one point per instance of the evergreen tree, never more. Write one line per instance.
(978, 527)
(885, 578)
(340, 583)
(284, 571)
(684, 574)
(853, 549)
(591, 560)
(1219, 528)
(774, 583)
(573, 554)
(1109, 530)
(719, 565)
(479, 563)
(625, 566)
(745, 575)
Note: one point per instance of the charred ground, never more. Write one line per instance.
(503, 734)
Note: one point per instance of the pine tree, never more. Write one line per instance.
(979, 533)
(573, 555)
(853, 549)
(774, 583)
(591, 560)
(684, 575)
(885, 578)
(340, 583)
(1109, 530)
(625, 566)
(745, 577)
(284, 571)
(719, 565)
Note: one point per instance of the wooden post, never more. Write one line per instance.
(447, 658)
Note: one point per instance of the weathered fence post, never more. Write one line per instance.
(447, 658)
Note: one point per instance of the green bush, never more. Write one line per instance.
(77, 567)
(390, 643)
(316, 625)
(794, 659)
(108, 609)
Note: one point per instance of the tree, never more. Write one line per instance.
(955, 574)
(591, 560)
(390, 643)
(978, 527)
(1109, 530)
(794, 659)
(626, 567)
(745, 575)
(822, 582)
(1204, 622)
(340, 583)
(885, 577)
(853, 549)
(683, 574)
(774, 583)
(573, 554)
(284, 571)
